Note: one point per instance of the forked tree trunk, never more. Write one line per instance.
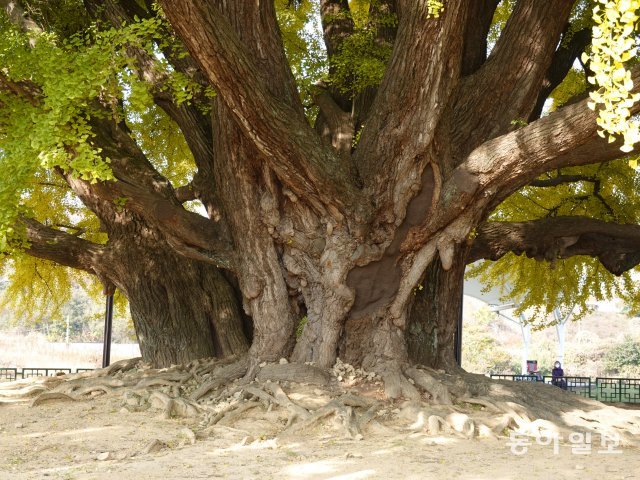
(297, 210)
(182, 309)
(426, 335)
(352, 233)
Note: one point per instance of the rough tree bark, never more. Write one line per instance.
(431, 329)
(371, 240)
(183, 307)
(353, 235)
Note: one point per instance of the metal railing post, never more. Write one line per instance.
(620, 390)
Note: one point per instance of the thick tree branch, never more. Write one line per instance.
(385, 36)
(77, 231)
(187, 231)
(499, 167)
(337, 24)
(22, 89)
(563, 60)
(617, 246)
(506, 87)
(533, 28)
(561, 179)
(193, 123)
(334, 124)
(475, 37)
(427, 57)
(253, 79)
(566, 137)
(148, 194)
(337, 27)
(190, 234)
(61, 247)
(186, 193)
(564, 179)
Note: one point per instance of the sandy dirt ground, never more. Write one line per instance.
(97, 439)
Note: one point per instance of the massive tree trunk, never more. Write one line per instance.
(431, 329)
(265, 295)
(373, 241)
(370, 239)
(182, 309)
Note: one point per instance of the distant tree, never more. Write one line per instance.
(482, 351)
(624, 358)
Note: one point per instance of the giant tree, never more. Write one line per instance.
(63, 117)
(356, 228)
(358, 200)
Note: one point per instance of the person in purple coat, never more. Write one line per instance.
(557, 375)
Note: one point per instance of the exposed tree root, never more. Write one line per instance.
(277, 396)
(439, 392)
(173, 406)
(120, 366)
(86, 385)
(51, 397)
(296, 398)
(396, 384)
(25, 392)
(223, 376)
(437, 425)
(302, 373)
(462, 424)
(334, 407)
(480, 401)
(232, 415)
(537, 409)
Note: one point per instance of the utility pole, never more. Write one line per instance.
(458, 340)
(109, 290)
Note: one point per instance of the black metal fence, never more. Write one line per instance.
(11, 374)
(605, 389)
(617, 389)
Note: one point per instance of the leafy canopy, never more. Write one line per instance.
(613, 46)
(58, 81)
(77, 70)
